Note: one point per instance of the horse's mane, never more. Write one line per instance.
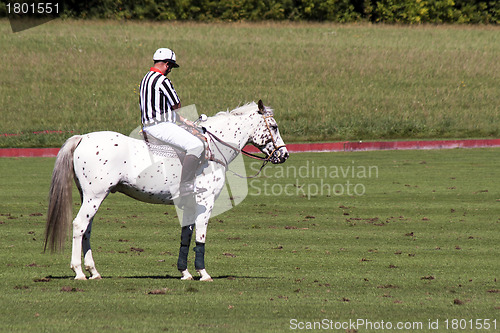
(242, 110)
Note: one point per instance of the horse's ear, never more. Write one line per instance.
(262, 109)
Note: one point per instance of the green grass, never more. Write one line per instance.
(421, 244)
(325, 81)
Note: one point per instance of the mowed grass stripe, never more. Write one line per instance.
(326, 82)
(421, 243)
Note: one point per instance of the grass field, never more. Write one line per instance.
(416, 242)
(326, 82)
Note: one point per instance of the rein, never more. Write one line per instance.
(265, 160)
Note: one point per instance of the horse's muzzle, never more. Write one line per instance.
(279, 155)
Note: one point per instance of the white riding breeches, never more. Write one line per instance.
(175, 135)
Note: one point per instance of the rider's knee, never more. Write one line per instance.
(196, 149)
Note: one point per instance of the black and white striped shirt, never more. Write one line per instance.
(157, 96)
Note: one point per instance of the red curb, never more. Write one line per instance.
(421, 145)
(28, 152)
(346, 146)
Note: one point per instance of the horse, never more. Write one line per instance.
(106, 162)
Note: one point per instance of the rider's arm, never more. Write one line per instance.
(181, 118)
(176, 106)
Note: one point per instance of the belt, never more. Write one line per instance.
(153, 122)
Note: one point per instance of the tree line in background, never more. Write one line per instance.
(341, 11)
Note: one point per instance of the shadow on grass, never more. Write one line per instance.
(152, 277)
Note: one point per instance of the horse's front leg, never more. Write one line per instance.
(186, 233)
(87, 254)
(194, 218)
(199, 262)
(201, 237)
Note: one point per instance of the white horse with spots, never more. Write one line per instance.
(104, 162)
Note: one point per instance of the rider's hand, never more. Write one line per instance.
(189, 122)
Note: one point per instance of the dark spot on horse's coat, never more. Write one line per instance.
(97, 153)
(116, 145)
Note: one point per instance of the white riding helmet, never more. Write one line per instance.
(165, 55)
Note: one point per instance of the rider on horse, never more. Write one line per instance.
(158, 102)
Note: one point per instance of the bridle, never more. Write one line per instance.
(275, 145)
(264, 160)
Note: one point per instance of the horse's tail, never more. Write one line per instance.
(60, 210)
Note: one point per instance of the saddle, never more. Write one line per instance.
(164, 149)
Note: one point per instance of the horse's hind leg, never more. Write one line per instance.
(79, 227)
(82, 225)
(88, 260)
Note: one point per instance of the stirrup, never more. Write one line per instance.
(188, 188)
(186, 196)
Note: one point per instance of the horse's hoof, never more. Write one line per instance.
(96, 277)
(204, 276)
(186, 276)
(207, 278)
(81, 278)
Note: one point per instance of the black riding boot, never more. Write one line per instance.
(189, 166)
